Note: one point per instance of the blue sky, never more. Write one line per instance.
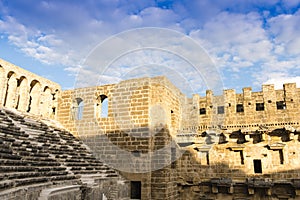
(250, 42)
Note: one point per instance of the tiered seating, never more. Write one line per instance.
(22, 161)
(81, 161)
(32, 152)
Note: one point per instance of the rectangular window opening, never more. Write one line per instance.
(257, 166)
(260, 106)
(239, 108)
(280, 105)
(202, 111)
(135, 190)
(221, 110)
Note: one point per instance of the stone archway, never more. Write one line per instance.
(46, 102)
(101, 106)
(22, 94)
(34, 99)
(10, 100)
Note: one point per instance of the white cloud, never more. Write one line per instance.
(43, 47)
(50, 40)
(291, 3)
(235, 40)
(278, 82)
(239, 36)
(153, 51)
(275, 72)
(71, 43)
(286, 31)
(240, 41)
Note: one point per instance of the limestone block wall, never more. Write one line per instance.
(127, 108)
(252, 154)
(143, 116)
(135, 105)
(239, 137)
(167, 105)
(237, 161)
(270, 107)
(258, 126)
(228, 177)
(27, 92)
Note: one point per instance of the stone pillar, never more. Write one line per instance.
(230, 106)
(291, 100)
(269, 97)
(3, 82)
(11, 92)
(3, 85)
(249, 105)
(24, 96)
(35, 95)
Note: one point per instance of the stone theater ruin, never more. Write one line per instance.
(144, 139)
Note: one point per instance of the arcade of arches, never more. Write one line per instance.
(27, 92)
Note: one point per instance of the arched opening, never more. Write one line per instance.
(46, 102)
(22, 94)
(101, 106)
(34, 99)
(10, 95)
(77, 109)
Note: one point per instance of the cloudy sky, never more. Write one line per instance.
(249, 42)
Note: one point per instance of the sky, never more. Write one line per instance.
(249, 42)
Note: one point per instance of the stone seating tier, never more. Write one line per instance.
(32, 152)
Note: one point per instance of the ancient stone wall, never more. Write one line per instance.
(143, 115)
(27, 92)
(234, 145)
(270, 107)
(252, 150)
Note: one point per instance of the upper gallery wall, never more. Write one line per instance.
(27, 92)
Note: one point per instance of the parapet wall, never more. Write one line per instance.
(248, 110)
(27, 92)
